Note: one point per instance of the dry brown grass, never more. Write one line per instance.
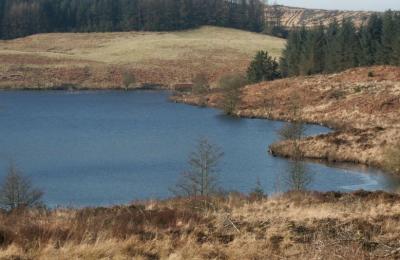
(97, 59)
(359, 225)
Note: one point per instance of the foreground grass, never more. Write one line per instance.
(98, 59)
(359, 225)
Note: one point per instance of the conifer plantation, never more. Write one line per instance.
(25, 17)
(340, 46)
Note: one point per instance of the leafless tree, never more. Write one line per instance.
(17, 191)
(298, 176)
(202, 177)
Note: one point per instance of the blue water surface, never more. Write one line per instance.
(109, 147)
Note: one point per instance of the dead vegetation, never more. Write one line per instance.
(359, 225)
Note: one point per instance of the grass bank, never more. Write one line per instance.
(306, 225)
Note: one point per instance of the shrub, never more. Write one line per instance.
(392, 159)
(230, 86)
(128, 79)
(200, 83)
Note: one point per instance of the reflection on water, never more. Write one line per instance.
(98, 148)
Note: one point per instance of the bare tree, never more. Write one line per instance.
(299, 176)
(17, 191)
(202, 177)
(292, 131)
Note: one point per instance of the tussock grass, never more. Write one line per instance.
(298, 225)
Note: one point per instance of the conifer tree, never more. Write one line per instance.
(262, 68)
(386, 53)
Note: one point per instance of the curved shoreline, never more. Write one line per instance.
(364, 112)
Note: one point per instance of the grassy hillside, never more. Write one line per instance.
(360, 225)
(98, 59)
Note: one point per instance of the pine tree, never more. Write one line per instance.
(349, 45)
(332, 48)
(386, 51)
(262, 68)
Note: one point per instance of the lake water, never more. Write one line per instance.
(109, 147)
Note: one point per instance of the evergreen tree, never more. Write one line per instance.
(349, 45)
(332, 48)
(23, 17)
(262, 68)
(386, 54)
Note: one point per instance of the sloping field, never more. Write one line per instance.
(99, 59)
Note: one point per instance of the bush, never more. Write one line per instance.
(200, 83)
(230, 86)
(392, 159)
(128, 79)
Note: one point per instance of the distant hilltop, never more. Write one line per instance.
(288, 17)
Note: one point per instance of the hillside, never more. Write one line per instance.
(99, 60)
(296, 16)
(362, 104)
(359, 225)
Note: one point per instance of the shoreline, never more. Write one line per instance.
(358, 137)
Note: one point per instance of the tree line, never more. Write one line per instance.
(337, 47)
(19, 18)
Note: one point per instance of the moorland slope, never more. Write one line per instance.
(99, 60)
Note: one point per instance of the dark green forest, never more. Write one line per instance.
(25, 17)
(340, 46)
